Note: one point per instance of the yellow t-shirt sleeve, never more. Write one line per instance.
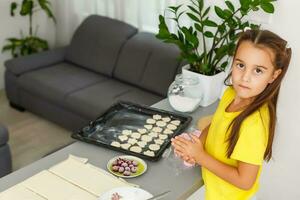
(251, 145)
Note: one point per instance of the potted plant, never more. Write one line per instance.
(207, 45)
(31, 43)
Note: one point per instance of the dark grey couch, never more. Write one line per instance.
(106, 61)
(5, 155)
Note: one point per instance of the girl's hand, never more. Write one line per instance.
(189, 149)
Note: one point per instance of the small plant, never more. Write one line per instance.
(193, 40)
(31, 43)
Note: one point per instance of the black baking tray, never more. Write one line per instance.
(127, 115)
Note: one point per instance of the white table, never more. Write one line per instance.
(158, 178)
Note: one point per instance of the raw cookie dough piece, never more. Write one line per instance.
(126, 132)
(148, 127)
(172, 127)
(141, 143)
(161, 123)
(157, 129)
(146, 138)
(156, 117)
(151, 121)
(163, 137)
(136, 149)
(125, 146)
(123, 138)
(115, 144)
(159, 141)
(153, 134)
(168, 131)
(142, 130)
(149, 153)
(154, 147)
(132, 141)
(175, 122)
(166, 119)
(136, 135)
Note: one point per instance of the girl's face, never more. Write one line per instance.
(252, 70)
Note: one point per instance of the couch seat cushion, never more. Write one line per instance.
(93, 101)
(55, 82)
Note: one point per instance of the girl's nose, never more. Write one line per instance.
(246, 76)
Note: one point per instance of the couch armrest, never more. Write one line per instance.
(3, 135)
(24, 64)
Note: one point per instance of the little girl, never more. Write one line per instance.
(232, 148)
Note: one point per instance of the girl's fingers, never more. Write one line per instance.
(178, 143)
(195, 138)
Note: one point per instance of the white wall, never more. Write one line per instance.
(11, 26)
(281, 177)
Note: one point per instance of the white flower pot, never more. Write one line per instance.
(209, 86)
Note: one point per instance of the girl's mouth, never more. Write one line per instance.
(244, 87)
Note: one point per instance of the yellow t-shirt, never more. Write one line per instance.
(250, 148)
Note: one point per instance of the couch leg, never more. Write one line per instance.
(17, 107)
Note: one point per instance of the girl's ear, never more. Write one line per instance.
(275, 75)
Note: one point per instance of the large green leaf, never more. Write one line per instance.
(224, 65)
(194, 10)
(208, 34)
(174, 8)
(163, 29)
(45, 6)
(267, 7)
(208, 22)
(198, 27)
(201, 5)
(206, 11)
(230, 5)
(220, 12)
(190, 37)
(26, 7)
(13, 7)
(193, 17)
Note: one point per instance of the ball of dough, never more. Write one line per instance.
(172, 127)
(125, 145)
(168, 131)
(136, 149)
(166, 119)
(126, 132)
(156, 117)
(157, 129)
(142, 143)
(149, 153)
(132, 141)
(115, 144)
(123, 138)
(142, 130)
(153, 134)
(163, 137)
(136, 135)
(161, 123)
(148, 127)
(151, 121)
(175, 122)
(154, 147)
(159, 141)
(146, 138)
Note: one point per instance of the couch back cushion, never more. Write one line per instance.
(148, 63)
(97, 43)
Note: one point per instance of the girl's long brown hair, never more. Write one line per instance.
(282, 55)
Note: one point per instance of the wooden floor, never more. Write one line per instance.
(31, 137)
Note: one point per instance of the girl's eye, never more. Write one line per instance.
(258, 71)
(240, 65)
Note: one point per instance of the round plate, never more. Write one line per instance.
(141, 168)
(127, 193)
